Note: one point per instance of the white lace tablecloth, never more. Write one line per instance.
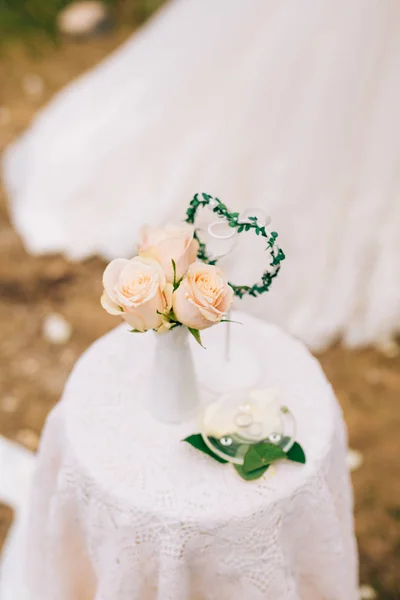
(122, 510)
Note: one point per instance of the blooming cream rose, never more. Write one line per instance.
(203, 297)
(169, 243)
(137, 290)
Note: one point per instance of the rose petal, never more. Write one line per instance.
(211, 314)
(168, 244)
(165, 326)
(192, 251)
(173, 249)
(111, 275)
(138, 287)
(135, 320)
(187, 312)
(203, 297)
(168, 291)
(109, 305)
(151, 262)
(227, 299)
(139, 294)
(150, 236)
(150, 253)
(149, 311)
(130, 295)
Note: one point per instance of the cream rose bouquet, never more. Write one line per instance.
(165, 287)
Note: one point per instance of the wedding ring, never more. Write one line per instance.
(223, 226)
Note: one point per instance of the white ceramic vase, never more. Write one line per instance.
(173, 391)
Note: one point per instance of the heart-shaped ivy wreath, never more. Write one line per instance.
(250, 223)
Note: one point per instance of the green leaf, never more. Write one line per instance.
(253, 474)
(260, 455)
(196, 334)
(135, 331)
(196, 440)
(296, 453)
(170, 317)
(174, 269)
(230, 321)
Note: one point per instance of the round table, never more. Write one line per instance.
(123, 510)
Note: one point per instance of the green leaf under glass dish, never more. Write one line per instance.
(296, 454)
(260, 455)
(257, 459)
(256, 474)
(196, 440)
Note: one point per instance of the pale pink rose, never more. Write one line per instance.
(203, 297)
(168, 243)
(137, 291)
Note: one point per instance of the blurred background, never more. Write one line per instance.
(50, 311)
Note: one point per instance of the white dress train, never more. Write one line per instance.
(287, 105)
(16, 471)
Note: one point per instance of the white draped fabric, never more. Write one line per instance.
(121, 509)
(291, 106)
(16, 471)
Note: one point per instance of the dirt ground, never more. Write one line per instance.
(33, 370)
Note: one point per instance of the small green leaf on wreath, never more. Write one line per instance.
(296, 453)
(260, 455)
(196, 440)
(196, 334)
(253, 474)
